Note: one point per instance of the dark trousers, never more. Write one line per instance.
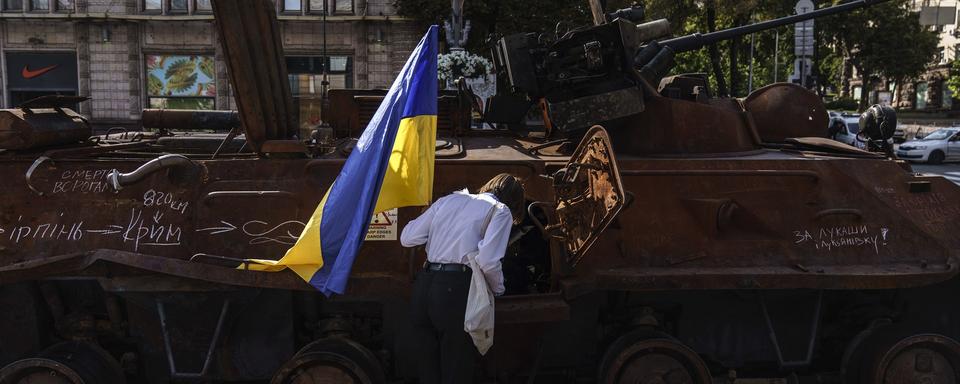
(445, 352)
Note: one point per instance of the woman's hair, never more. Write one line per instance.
(508, 191)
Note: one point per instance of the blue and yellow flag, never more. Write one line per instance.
(390, 167)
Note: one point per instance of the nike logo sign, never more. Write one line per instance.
(28, 74)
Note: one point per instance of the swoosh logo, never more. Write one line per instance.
(28, 74)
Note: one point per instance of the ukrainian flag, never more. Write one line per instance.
(390, 167)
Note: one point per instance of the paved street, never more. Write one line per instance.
(950, 171)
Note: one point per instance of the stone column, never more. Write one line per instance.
(135, 68)
(360, 66)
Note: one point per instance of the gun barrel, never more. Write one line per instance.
(190, 119)
(697, 40)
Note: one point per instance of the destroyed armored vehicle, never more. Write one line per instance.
(670, 237)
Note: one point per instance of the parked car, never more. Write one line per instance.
(935, 148)
(899, 135)
(845, 129)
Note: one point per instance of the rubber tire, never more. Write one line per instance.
(936, 157)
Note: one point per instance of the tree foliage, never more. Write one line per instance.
(500, 16)
(953, 82)
(883, 40)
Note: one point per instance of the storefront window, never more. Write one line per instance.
(180, 82)
(344, 6)
(175, 7)
(31, 75)
(921, 96)
(947, 97)
(152, 5)
(65, 6)
(317, 6)
(12, 5)
(306, 80)
(291, 5)
(39, 5)
(178, 6)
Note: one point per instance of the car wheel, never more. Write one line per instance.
(936, 157)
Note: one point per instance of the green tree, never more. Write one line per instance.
(953, 82)
(882, 41)
(502, 16)
(728, 62)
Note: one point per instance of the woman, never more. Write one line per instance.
(455, 228)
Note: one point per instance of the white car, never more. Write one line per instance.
(848, 131)
(935, 148)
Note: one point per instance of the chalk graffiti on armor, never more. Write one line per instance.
(141, 230)
(149, 231)
(82, 181)
(282, 233)
(925, 200)
(153, 198)
(261, 232)
(71, 231)
(885, 190)
(830, 238)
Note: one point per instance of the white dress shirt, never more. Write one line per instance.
(451, 229)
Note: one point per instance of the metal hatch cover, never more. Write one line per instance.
(589, 194)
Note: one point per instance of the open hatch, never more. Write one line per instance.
(589, 194)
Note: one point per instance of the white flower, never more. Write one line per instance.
(462, 63)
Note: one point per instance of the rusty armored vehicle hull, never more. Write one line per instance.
(693, 240)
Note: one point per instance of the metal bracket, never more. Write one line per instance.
(213, 343)
(543, 205)
(814, 327)
(32, 169)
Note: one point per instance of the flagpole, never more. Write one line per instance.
(326, 60)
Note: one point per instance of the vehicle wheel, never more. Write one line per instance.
(651, 357)
(936, 157)
(65, 363)
(332, 361)
(853, 355)
(920, 358)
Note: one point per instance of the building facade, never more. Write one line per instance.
(127, 55)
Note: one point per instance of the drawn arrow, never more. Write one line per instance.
(218, 230)
(157, 216)
(114, 230)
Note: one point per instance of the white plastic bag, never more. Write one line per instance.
(478, 320)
